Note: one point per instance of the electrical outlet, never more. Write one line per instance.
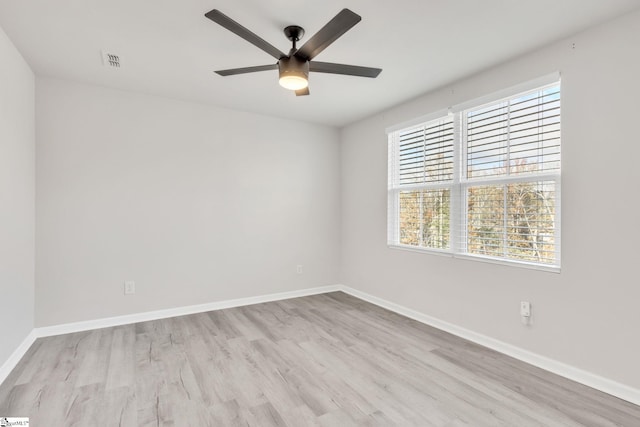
(525, 309)
(129, 287)
(299, 269)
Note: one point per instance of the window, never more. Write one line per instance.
(483, 181)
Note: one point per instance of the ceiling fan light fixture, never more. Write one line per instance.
(294, 73)
(293, 82)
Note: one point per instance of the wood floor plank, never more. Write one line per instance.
(323, 360)
(122, 360)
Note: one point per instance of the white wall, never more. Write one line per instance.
(195, 204)
(587, 316)
(17, 198)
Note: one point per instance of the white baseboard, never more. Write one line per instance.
(87, 325)
(15, 357)
(589, 379)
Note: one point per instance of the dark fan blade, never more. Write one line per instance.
(246, 70)
(231, 25)
(350, 70)
(303, 92)
(339, 25)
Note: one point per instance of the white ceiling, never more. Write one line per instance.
(170, 49)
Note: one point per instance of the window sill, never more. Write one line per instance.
(510, 263)
(478, 258)
(438, 252)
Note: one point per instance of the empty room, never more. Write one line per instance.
(296, 213)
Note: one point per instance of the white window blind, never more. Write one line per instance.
(483, 182)
(512, 158)
(426, 153)
(520, 135)
(421, 184)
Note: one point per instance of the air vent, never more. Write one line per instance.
(111, 60)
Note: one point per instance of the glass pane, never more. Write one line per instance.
(485, 220)
(424, 218)
(410, 218)
(531, 222)
(516, 221)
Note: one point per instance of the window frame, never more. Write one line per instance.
(460, 183)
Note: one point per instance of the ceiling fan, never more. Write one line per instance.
(294, 68)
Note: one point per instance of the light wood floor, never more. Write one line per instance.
(328, 360)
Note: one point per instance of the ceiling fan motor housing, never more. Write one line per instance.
(294, 73)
